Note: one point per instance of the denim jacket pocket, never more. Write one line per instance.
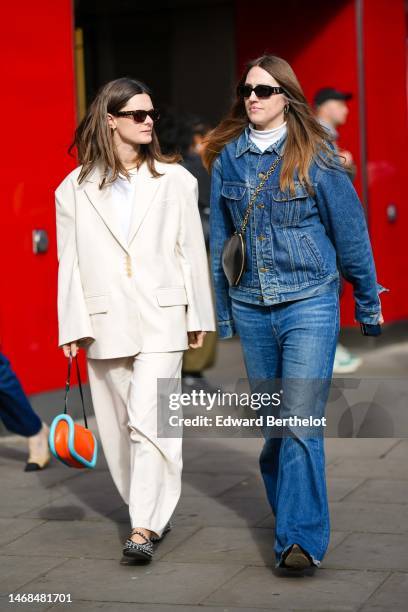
(314, 260)
(289, 208)
(233, 194)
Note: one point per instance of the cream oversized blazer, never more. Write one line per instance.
(141, 295)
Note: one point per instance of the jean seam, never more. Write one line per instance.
(275, 328)
(326, 534)
(335, 334)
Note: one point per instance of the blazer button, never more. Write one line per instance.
(128, 265)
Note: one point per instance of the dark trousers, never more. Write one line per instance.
(15, 409)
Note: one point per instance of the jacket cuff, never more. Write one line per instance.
(226, 329)
(68, 337)
(370, 315)
(363, 316)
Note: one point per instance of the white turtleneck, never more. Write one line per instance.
(265, 138)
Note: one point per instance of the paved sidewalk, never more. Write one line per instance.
(61, 530)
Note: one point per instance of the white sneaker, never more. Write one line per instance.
(345, 362)
(38, 450)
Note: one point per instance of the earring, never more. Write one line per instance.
(286, 109)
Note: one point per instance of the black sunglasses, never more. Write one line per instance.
(139, 116)
(261, 91)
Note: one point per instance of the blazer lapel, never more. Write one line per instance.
(101, 200)
(145, 191)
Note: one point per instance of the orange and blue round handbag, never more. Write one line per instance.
(73, 444)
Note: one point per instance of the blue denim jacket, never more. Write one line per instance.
(296, 244)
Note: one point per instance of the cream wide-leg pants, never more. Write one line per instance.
(145, 469)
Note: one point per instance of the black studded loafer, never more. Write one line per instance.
(296, 558)
(138, 550)
(167, 528)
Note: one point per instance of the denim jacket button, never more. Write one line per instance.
(261, 237)
(261, 205)
(263, 269)
(261, 175)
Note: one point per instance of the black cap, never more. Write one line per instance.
(329, 93)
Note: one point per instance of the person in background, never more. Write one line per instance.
(192, 161)
(19, 417)
(331, 111)
(185, 135)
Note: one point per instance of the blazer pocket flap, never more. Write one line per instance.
(171, 296)
(96, 304)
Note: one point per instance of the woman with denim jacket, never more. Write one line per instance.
(305, 225)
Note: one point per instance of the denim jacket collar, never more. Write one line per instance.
(245, 144)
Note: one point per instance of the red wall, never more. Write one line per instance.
(319, 39)
(38, 105)
(38, 109)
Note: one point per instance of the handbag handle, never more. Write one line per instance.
(68, 384)
(256, 192)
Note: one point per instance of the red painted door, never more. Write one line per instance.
(38, 111)
(385, 61)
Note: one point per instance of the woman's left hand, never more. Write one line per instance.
(380, 320)
(196, 339)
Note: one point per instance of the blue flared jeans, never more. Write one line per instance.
(293, 340)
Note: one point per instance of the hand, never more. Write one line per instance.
(348, 161)
(380, 320)
(71, 348)
(196, 339)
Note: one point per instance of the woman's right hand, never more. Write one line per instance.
(70, 349)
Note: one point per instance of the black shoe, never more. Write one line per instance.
(137, 550)
(167, 528)
(196, 381)
(296, 558)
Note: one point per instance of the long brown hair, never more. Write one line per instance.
(94, 138)
(306, 138)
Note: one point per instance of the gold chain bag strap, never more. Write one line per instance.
(233, 252)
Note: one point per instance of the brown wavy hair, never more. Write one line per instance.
(306, 138)
(94, 138)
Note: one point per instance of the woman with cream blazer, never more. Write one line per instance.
(134, 291)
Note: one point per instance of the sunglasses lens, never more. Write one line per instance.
(154, 115)
(244, 91)
(263, 91)
(139, 116)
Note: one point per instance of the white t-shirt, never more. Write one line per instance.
(123, 200)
